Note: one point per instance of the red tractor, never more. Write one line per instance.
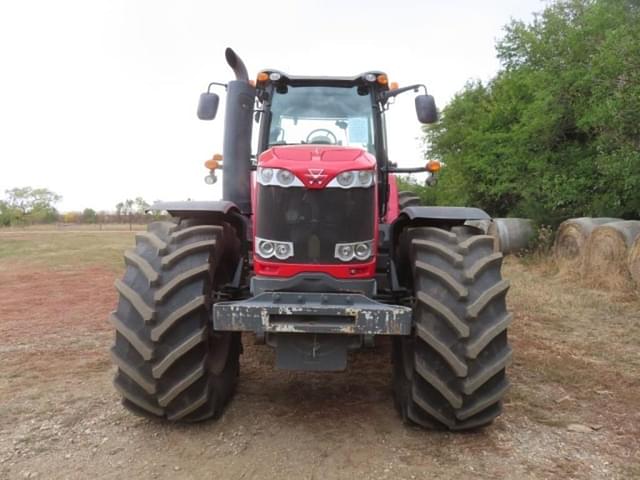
(314, 251)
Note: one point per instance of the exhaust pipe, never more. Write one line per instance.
(236, 149)
(237, 65)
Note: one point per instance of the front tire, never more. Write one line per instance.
(171, 364)
(451, 372)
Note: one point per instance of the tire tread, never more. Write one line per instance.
(452, 373)
(165, 345)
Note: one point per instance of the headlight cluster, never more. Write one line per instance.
(357, 250)
(353, 179)
(272, 248)
(278, 177)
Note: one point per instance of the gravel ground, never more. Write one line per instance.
(572, 411)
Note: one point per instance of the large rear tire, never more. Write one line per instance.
(451, 372)
(171, 364)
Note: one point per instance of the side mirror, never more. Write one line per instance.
(208, 106)
(426, 109)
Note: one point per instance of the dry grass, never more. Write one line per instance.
(63, 249)
(634, 261)
(577, 349)
(560, 306)
(74, 227)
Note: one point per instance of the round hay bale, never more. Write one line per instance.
(634, 261)
(511, 235)
(606, 255)
(571, 238)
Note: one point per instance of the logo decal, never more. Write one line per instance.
(316, 175)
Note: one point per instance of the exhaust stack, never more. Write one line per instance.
(237, 65)
(236, 149)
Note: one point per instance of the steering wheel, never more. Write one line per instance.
(333, 140)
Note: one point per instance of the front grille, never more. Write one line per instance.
(315, 220)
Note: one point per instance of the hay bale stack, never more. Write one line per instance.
(512, 235)
(606, 255)
(571, 238)
(634, 261)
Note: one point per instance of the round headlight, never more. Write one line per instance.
(266, 174)
(370, 77)
(283, 250)
(285, 177)
(345, 179)
(365, 178)
(274, 76)
(209, 179)
(266, 248)
(345, 252)
(363, 251)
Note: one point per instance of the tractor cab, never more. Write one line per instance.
(322, 111)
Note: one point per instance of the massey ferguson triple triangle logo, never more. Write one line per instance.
(316, 174)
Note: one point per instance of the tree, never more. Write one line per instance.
(125, 208)
(141, 205)
(33, 205)
(130, 207)
(119, 209)
(71, 217)
(8, 215)
(555, 133)
(89, 215)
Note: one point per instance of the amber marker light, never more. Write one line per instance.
(433, 166)
(214, 162)
(382, 79)
(394, 86)
(263, 77)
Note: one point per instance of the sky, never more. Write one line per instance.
(98, 98)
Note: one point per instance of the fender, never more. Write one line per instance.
(439, 214)
(442, 217)
(190, 209)
(218, 209)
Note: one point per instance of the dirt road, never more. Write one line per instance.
(572, 411)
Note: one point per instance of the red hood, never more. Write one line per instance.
(317, 165)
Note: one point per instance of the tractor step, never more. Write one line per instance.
(312, 312)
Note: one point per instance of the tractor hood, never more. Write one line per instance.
(317, 165)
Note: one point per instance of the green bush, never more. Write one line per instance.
(556, 133)
(28, 205)
(89, 215)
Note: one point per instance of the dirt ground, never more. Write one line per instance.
(572, 412)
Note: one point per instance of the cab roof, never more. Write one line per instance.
(301, 80)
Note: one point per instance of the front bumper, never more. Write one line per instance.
(312, 312)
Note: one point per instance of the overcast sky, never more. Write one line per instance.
(98, 97)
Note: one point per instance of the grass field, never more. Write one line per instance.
(572, 411)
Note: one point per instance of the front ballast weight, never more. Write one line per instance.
(312, 330)
(312, 312)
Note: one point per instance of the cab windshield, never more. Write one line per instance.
(322, 115)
